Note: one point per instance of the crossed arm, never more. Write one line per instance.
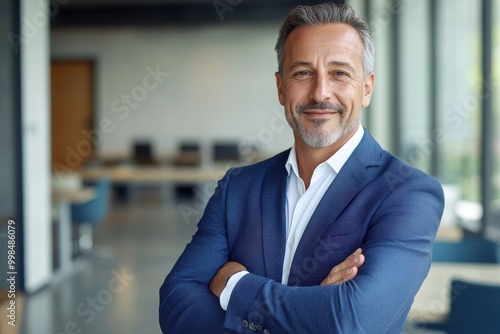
(339, 274)
(397, 247)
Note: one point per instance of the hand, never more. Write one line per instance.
(218, 282)
(345, 271)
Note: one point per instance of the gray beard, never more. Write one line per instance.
(317, 137)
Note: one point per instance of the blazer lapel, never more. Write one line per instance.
(353, 177)
(274, 217)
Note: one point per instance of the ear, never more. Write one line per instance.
(368, 89)
(279, 85)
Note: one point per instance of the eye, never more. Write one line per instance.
(302, 74)
(341, 75)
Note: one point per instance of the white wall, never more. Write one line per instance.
(220, 84)
(35, 112)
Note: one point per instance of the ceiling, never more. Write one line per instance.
(160, 12)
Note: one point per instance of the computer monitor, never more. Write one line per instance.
(143, 152)
(226, 151)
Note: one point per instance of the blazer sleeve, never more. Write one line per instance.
(397, 248)
(186, 303)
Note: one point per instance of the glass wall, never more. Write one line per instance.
(459, 95)
(459, 103)
(414, 78)
(494, 228)
(430, 105)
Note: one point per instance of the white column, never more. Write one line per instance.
(35, 104)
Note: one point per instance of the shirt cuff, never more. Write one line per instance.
(231, 283)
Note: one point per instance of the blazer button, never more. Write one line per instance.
(244, 323)
(251, 325)
(266, 331)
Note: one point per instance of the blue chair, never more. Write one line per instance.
(475, 308)
(469, 249)
(88, 214)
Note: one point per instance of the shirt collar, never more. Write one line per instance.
(336, 161)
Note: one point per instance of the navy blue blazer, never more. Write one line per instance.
(376, 202)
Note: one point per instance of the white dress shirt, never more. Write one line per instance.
(301, 203)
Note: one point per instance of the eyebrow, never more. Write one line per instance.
(342, 64)
(299, 64)
(332, 63)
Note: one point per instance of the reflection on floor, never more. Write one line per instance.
(116, 289)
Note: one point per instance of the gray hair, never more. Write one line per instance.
(327, 13)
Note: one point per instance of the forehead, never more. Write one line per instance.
(335, 40)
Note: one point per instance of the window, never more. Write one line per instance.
(459, 95)
(494, 226)
(429, 98)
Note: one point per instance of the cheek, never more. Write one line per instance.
(348, 96)
(296, 94)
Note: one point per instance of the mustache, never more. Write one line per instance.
(325, 105)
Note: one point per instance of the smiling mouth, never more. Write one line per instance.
(320, 113)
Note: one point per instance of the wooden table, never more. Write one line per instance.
(432, 302)
(156, 174)
(449, 233)
(63, 198)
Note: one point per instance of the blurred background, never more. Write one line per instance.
(118, 117)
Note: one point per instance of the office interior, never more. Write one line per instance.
(132, 110)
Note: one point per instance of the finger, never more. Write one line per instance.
(348, 274)
(340, 277)
(356, 259)
(343, 271)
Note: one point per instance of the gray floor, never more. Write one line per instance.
(116, 289)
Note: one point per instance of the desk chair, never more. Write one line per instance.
(88, 214)
(469, 249)
(475, 308)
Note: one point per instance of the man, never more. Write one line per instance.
(332, 236)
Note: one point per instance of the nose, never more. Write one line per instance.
(321, 89)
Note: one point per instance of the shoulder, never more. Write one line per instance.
(400, 174)
(274, 164)
(393, 168)
(392, 173)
